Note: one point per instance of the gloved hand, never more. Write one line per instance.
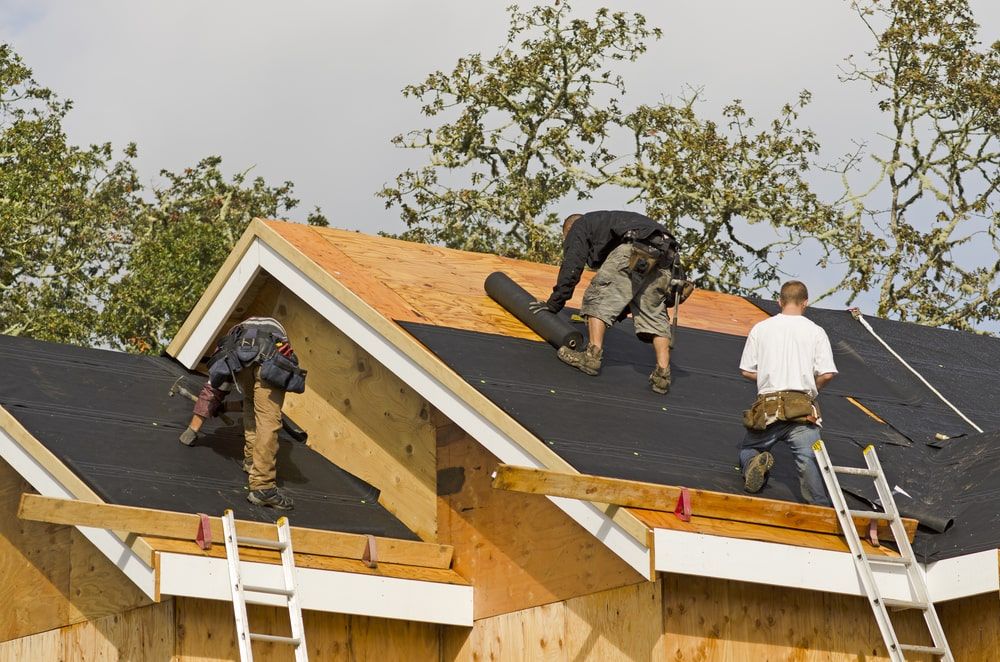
(535, 307)
(188, 437)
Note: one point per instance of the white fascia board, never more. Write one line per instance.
(205, 577)
(824, 570)
(109, 544)
(216, 315)
(430, 388)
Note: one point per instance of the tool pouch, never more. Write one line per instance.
(769, 408)
(642, 259)
(284, 373)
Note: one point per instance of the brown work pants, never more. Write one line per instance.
(261, 423)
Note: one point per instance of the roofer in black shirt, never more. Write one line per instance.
(638, 271)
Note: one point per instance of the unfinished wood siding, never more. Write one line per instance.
(50, 575)
(205, 633)
(146, 633)
(517, 550)
(972, 626)
(362, 417)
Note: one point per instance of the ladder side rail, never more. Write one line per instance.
(294, 607)
(236, 586)
(868, 582)
(915, 573)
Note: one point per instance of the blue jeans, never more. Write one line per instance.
(800, 437)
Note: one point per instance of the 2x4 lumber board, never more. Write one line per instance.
(433, 366)
(208, 296)
(315, 561)
(650, 496)
(65, 477)
(184, 526)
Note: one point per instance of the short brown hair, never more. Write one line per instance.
(570, 220)
(794, 291)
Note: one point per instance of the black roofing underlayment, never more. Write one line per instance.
(614, 425)
(108, 416)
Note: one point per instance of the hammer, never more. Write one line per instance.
(178, 388)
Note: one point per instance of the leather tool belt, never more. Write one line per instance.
(770, 408)
(650, 253)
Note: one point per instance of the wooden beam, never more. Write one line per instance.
(184, 526)
(650, 496)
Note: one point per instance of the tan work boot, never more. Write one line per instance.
(588, 361)
(660, 379)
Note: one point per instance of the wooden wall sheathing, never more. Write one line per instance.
(517, 550)
(51, 575)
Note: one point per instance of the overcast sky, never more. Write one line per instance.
(311, 91)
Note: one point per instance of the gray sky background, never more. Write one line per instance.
(309, 91)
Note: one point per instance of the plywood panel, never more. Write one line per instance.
(972, 626)
(421, 283)
(41, 646)
(205, 633)
(621, 624)
(518, 550)
(362, 417)
(51, 575)
(709, 619)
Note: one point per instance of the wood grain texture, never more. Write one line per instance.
(50, 575)
(362, 417)
(184, 526)
(656, 497)
(972, 626)
(517, 550)
(415, 282)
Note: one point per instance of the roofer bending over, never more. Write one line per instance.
(638, 271)
(790, 358)
(257, 357)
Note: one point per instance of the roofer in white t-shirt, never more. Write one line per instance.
(790, 358)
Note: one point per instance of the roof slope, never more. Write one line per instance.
(614, 426)
(109, 418)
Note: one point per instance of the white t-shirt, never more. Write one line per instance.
(787, 352)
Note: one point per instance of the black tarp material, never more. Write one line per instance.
(109, 418)
(614, 425)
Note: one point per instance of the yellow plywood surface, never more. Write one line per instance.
(413, 282)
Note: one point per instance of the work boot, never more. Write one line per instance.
(660, 379)
(756, 474)
(188, 437)
(588, 361)
(272, 497)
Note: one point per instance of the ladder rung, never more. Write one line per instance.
(275, 639)
(262, 603)
(262, 542)
(914, 648)
(871, 514)
(856, 471)
(891, 560)
(904, 604)
(269, 590)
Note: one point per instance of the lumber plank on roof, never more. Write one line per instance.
(650, 496)
(168, 524)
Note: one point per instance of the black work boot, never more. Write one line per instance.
(756, 475)
(188, 437)
(660, 379)
(272, 497)
(588, 361)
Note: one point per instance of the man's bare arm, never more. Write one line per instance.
(752, 376)
(824, 379)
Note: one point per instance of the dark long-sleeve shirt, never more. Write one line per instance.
(590, 241)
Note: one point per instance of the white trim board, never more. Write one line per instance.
(775, 564)
(109, 544)
(461, 413)
(322, 590)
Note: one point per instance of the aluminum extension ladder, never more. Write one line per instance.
(283, 545)
(863, 562)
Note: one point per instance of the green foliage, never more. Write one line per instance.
(180, 240)
(64, 214)
(87, 255)
(907, 234)
(518, 121)
(710, 184)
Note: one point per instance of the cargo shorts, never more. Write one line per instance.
(615, 287)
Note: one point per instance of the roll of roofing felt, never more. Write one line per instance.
(515, 299)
